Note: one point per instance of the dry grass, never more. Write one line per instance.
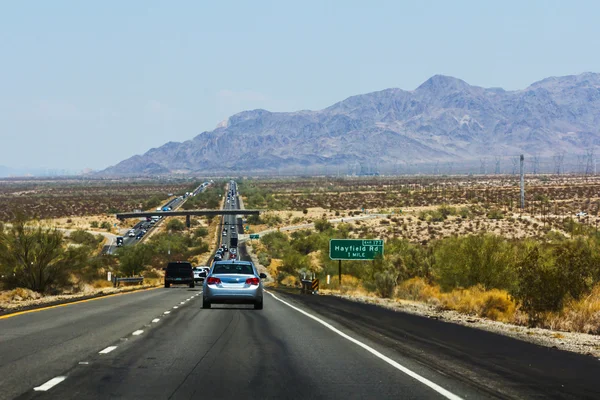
(18, 294)
(493, 304)
(577, 316)
(101, 283)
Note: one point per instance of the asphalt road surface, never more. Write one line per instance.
(161, 344)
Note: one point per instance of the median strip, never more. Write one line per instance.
(50, 384)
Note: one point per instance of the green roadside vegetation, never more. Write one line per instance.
(552, 281)
(48, 262)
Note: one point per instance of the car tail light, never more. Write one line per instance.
(252, 281)
(213, 281)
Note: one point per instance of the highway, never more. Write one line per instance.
(161, 344)
(129, 240)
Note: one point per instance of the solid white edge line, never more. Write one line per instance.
(138, 332)
(50, 384)
(447, 394)
(155, 320)
(107, 350)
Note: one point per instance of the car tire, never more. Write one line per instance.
(167, 284)
(258, 306)
(205, 304)
(192, 285)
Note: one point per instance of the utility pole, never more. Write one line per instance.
(497, 170)
(522, 182)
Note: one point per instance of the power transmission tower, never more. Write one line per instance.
(436, 170)
(558, 162)
(497, 170)
(450, 166)
(515, 162)
(482, 169)
(536, 164)
(589, 168)
(580, 160)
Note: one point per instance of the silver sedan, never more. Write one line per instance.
(233, 282)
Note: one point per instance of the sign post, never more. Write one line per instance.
(354, 249)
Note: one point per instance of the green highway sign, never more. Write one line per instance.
(355, 249)
(254, 236)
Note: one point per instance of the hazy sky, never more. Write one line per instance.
(86, 84)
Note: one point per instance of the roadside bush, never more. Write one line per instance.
(85, 238)
(495, 214)
(466, 261)
(94, 224)
(264, 259)
(385, 283)
(321, 225)
(201, 232)
(175, 225)
(36, 258)
(494, 304)
(106, 225)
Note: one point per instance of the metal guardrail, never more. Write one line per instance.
(134, 279)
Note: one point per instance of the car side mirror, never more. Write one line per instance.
(263, 275)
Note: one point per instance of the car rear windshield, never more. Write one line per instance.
(179, 269)
(233, 269)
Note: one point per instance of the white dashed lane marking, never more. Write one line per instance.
(167, 312)
(107, 350)
(50, 384)
(155, 320)
(137, 333)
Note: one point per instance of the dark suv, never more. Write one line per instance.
(179, 272)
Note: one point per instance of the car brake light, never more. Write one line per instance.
(213, 281)
(252, 281)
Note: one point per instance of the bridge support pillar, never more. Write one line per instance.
(188, 221)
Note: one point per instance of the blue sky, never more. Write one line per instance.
(87, 84)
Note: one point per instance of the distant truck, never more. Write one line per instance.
(233, 241)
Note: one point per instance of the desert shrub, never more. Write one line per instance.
(85, 238)
(133, 260)
(94, 224)
(322, 225)
(201, 232)
(495, 214)
(37, 258)
(290, 280)
(101, 283)
(385, 283)
(175, 225)
(264, 259)
(466, 261)
(105, 225)
(276, 243)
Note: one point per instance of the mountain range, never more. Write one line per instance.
(443, 120)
